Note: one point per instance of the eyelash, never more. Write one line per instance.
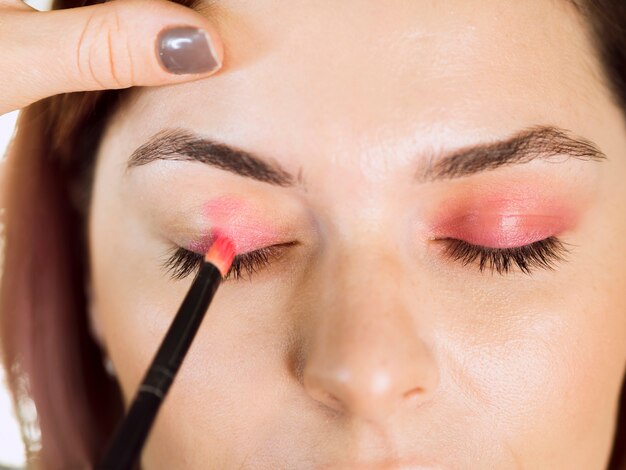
(184, 262)
(543, 254)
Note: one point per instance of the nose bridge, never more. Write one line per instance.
(366, 357)
(367, 300)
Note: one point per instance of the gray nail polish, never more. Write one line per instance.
(185, 50)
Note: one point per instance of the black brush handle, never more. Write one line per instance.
(131, 434)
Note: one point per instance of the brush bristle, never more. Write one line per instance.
(221, 254)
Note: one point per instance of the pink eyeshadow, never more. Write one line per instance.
(504, 222)
(502, 230)
(240, 222)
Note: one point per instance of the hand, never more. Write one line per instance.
(118, 44)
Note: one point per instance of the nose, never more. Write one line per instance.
(367, 357)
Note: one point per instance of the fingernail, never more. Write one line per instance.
(184, 50)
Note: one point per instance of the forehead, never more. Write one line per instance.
(361, 70)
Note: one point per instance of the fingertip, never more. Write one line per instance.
(119, 45)
(217, 46)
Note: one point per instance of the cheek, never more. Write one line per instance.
(549, 379)
(227, 400)
(201, 418)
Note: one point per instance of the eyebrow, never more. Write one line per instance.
(537, 142)
(532, 143)
(181, 145)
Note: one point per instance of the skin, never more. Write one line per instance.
(102, 47)
(364, 345)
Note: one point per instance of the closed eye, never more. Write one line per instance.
(184, 262)
(542, 254)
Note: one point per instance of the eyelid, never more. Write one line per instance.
(502, 230)
(183, 262)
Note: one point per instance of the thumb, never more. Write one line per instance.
(117, 44)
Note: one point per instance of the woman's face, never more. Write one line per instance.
(384, 153)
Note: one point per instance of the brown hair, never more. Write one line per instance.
(48, 350)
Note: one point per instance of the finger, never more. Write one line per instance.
(108, 46)
(16, 4)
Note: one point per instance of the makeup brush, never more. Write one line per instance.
(131, 434)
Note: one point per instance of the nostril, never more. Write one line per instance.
(321, 391)
(413, 393)
(331, 401)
